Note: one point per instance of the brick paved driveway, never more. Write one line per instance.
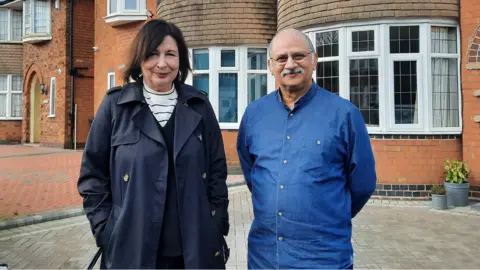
(393, 237)
(36, 180)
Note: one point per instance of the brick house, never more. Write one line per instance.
(56, 40)
(412, 69)
(11, 71)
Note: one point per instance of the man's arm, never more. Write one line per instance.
(94, 182)
(361, 162)
(246, 161)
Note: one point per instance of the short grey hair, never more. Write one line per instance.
(302, 34)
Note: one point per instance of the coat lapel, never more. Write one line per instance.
(147, 124)
(186, 121)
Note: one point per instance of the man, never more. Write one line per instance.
(308, 162)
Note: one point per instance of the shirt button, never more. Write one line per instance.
(281, 187)
(318, 142)
(125, 177)
(280, 213)
(285, 161)
(280, 238)
(288, 137)
(291, 114)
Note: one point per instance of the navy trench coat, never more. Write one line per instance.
(123, 180)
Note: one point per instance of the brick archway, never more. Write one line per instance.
(473, 53)
(32, 72)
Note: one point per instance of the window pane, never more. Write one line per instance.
(445, 92)
(228, 97)
(404, 39)
(327, 44)
(444, 40)
(130, 4)
(113, 6)
(364, 89)
(201, 82)
(257, 59)
(16, 25)
(52, 97)
(405, 88)
(41, 16)
(16, 83)
(27, 14)
(228, 58)
(16, 105)
(3, 24)
(363, 41)
(200, 59)
(3, 105)
(328, 76)
(111, 80)
(257, 86)
(3, 83)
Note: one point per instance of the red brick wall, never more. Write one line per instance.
(469, 23)
(10, 131)
(83, 42)
(113, 47)
(43, 59)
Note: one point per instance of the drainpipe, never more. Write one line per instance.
(72, 77)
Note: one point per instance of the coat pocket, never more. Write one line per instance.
(124, 150)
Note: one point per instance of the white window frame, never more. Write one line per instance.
(110, 80)
(241, 69)
(385, 61)
(10, 25)
(9, 93)
(36, 37)
(53, 97)
(123, 15)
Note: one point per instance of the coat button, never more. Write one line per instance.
(217, 253)
(125, 177)
(204, 175)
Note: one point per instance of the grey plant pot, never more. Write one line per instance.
(457, 194)
(439, 202)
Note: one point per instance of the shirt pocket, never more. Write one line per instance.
(316, 157)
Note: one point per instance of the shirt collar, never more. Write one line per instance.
(303, 99)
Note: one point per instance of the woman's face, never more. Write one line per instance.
(161, 68)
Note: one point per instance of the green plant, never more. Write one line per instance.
(456, 171)
(438, 190)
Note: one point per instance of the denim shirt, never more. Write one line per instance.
(310, 170)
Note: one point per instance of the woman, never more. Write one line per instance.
(153, 173)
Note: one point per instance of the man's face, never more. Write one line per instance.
(292, 62)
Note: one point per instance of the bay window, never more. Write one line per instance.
(125, 11)
(403, 75)
(232, 77)
(36, 20)
(10, 97)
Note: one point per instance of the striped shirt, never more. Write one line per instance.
(161, 104)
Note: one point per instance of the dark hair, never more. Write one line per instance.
(147, 40)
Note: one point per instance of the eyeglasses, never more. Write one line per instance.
(297, 57)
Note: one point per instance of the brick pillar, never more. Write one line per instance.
(470, 26)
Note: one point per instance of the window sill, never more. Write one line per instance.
(37, 38)
(51, 116)
(11, 42)
(10, 118)
(125, 18)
